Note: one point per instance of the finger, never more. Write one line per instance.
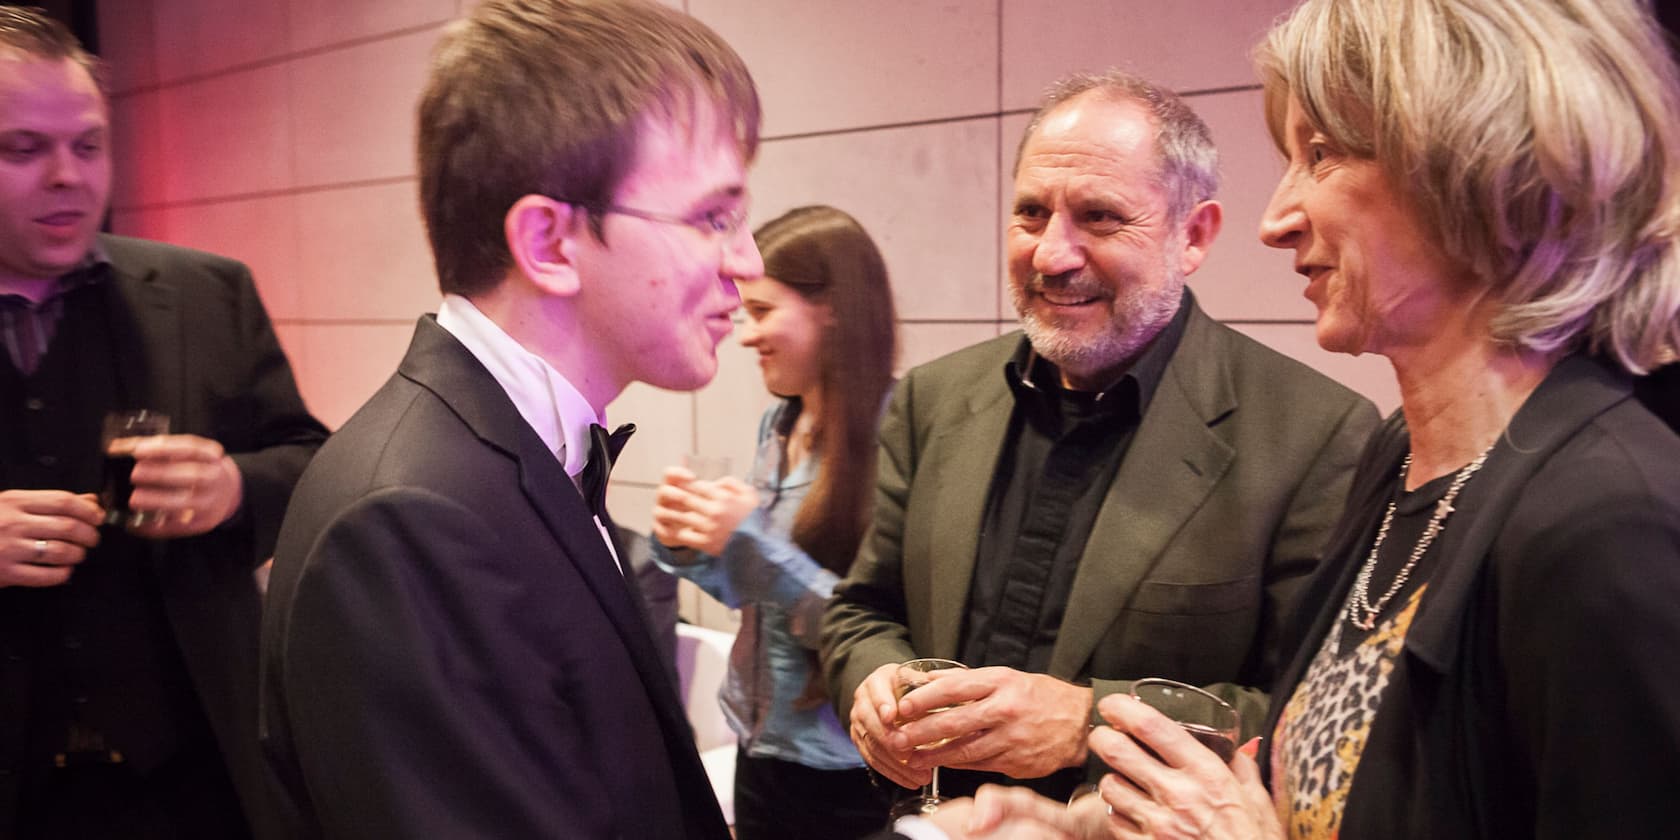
(884, 763)
(676, 477)
(672, 498)
(1130, 806)
(879, 692)
(869, 713)
(665, 520)
(1163, 735)
(1254, 793)
(961, 726)
(995, 803)
(47, 552)
(1252, 748)
(698, 520)
(176, 448)
(899, 774)
(56, 503)
(970, 751)
(23, 574)
(943, 690)
(162, 499)
(1121, 753)
(172, 474)
(163, 526)
(73, 531)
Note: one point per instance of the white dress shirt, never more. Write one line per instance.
(551, 406)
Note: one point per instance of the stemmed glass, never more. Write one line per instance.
(911, 676)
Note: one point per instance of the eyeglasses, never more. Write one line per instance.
(723, 223)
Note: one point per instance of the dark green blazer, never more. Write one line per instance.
(1217, 515)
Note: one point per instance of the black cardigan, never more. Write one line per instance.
(1537, 693)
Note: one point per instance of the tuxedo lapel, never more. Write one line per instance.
(439, 363)
(1173, 463)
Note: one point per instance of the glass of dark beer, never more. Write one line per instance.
(123, 429)
(1211, 720)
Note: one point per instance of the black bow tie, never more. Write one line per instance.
(603, 451)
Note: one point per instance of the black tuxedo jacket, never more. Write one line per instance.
(194, 342)
(449, 649)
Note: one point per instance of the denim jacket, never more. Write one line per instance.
(781, 592)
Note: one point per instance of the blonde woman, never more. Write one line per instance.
(1485, 193)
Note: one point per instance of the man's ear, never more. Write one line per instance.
(542, 238)
(1201, 227)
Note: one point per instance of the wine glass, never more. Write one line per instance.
(1211, 720)
(911, 676)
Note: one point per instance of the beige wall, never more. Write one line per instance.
(280, 132)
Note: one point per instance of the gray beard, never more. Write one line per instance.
(1138, 317)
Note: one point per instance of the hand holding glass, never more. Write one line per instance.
(122, 431)
(911, 676)
(1211, 720)
(706, 467)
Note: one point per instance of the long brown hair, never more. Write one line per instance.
(827, 258)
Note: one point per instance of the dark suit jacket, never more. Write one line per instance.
(195, 343)
(449, 650)
(1535, 693)
(1217, 515)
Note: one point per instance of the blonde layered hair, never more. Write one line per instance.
(1538, 141)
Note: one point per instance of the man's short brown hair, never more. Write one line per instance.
(29, 32)
(548, 97)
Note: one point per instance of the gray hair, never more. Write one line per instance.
(1187, 163)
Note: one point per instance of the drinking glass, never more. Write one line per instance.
(911, 676)
(123, 429)
(706, 467)
(1211, 720)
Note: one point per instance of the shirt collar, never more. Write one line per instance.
(94, 267)
(553, 408)
(1037, 382)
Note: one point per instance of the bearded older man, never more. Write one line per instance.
(1127, 490)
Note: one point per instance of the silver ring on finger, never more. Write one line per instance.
(40, 549)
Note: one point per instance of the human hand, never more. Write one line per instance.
(1003, 720)
(185, 484)
(690, 513)
(874, 715)
(1000, 810)
(1186, 793)
(44, 534)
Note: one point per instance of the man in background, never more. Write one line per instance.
(1127, 490)
(127, 654)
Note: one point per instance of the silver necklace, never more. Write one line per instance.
(1360, 611)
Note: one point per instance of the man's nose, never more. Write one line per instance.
(1058, 250)
(741, 259)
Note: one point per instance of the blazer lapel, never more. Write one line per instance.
(1173, 463)
(145, 320)
(1575, 392)
(967, 458)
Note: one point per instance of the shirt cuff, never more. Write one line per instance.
(919, 828)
